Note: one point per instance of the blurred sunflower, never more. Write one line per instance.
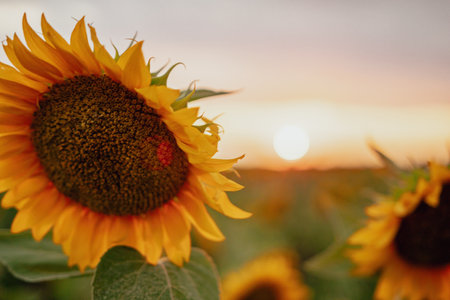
(270, 277)
(409, 241)
(93, 148)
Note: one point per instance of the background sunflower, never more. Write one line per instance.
(408, 239)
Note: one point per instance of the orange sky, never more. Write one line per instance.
(344, 72)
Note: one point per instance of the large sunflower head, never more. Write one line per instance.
(269, 277)
(408, 239)
(96, 149)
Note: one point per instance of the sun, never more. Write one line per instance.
(291, 142)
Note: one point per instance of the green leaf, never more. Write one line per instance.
(190, 95)
(124, 274)
(34, 261)
(204, 93)
(162, 80)
(332, 262)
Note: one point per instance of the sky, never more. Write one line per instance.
(347, 72)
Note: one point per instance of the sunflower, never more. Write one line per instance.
(103, 154)
(270, 277)
(408, 239)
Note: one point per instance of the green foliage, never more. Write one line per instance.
(162, 80)
(31, 261)
(124, 274)
(331, 263)
(190, 95)
(204, 93)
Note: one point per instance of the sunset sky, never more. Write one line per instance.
(346, 72)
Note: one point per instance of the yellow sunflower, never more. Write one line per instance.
(409, 241)
(93, 149)
(270, 277)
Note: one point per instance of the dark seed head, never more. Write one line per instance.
(103, 147)
(262, 292)
(424, 236)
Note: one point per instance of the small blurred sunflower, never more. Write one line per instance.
(270, 277)
(409, 241)
(96, 149)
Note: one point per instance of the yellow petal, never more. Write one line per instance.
(135, 73)
(82, 239)
(186, 116)
(216, 199)
(55, 39)
(29, 187)
(439, 172)
(125, 56)
(43, 50)
(406, 204)
(13, 166)
(100, 241)
(80, 46)
(197, 214)
(14, 119)
(48, 221)
(11, 74)
(153, 235)
(217, 180)
(228, 208)
(34, 64)
(46, 203)
(379, 210)
(18, 108)
(64, 224)
(175, 233)
(12, 145)
(159, 96)
(218, 165)
(433, 197)
(19, 91)
(28, 216)
(119, 230)
(104, 58)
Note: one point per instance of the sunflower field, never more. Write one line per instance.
(111, 189)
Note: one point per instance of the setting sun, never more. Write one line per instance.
(291, 142)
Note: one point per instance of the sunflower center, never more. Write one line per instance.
(103, 147)
(262, 292)
(424, 236)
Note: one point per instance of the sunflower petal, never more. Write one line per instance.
(154, 236)
(34, 64)
(11, 74)
(43, 50)
(14, 119)
(15, 165)
(175, 232)
(54, 38)
(27, 188)
(80, 46)
(228, 208)
(186, 116)
(197, 214)
(48, 221)
(12, 145)
(64, 224)
(18, 90)
(135, 73)
(218, 165)
(104, 58)
(158, 96)
(218, 180)
(28, 216)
